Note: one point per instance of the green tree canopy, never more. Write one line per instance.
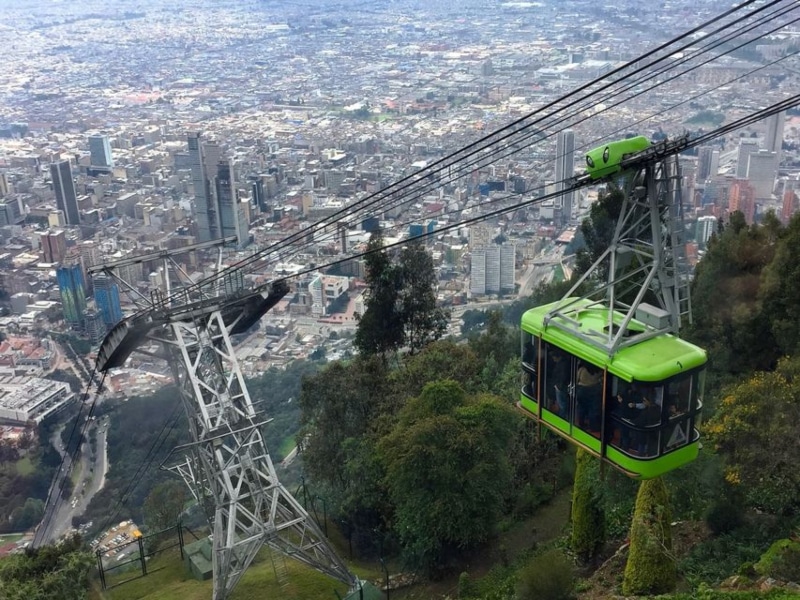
(423, 321)
(446, 471)
(728, 318)
(380, 328)
(50, 572)
(755, 430)
(780, 289)
(164, 505)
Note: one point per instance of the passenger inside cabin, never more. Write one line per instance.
(560, 379)
(588, 395)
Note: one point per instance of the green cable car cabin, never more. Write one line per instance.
(637, 409)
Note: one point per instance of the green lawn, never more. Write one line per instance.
(25, 466)
(10, 538)
(287, 445)
(172, 583)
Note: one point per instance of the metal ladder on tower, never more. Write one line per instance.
(280, 569)
(677, 237)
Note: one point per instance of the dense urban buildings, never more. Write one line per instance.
(278, 117)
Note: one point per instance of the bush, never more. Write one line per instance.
(724, 515)
(651, 567)
(781, 561)
(588, 517)
(549, 576)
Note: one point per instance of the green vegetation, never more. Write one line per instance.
(708, 117)
(651, 564)
(25, 466)
(548, 576)
(401, 306)
(588, 518)
(168, 581)
(51, 572)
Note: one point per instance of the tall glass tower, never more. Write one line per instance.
(64, 187)
(73, 293)
(565, 168)
(106, 296)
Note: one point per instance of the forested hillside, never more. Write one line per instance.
(422, 456)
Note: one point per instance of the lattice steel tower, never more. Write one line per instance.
(227, 465)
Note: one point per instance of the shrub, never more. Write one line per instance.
(588, 518)
(724, 515)
(651, 567)
(781, 561)
(549, 576)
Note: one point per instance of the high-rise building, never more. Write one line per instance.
(5, 187)
(565, 168)
(204, 214)
(54, 246)
(746, 147)
(789, 205)
(73, 293)
(762, 169)
(492, 270)
(100, 151)
(706, 226)
(707, 163)
(773, 140)
(64, 187)
(232, 220)
(106, 296)
(741, 197)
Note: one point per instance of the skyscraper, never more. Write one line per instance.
(565, 168)
(746, 148)
(64, 187)
(73, 293)
(54, 246)
(773, 141)
(762, 170)
(706, 226)
(100, 151)
(741, 197)
(106, 296)
(492, 270)
(232, 219)
(707, 163)
(203, 211)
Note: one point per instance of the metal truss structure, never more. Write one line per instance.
(644, 268)
(227, 465)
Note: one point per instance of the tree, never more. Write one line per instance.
(755, 430)
(728, 318)
(651, 565)
(588, 517)
(164, 505)
(598, 229)
(346, 407)
(423, 321)
(380, 328)
(49, 572)
(447, 470)
(780, 288)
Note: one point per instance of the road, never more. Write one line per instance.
(93, 471)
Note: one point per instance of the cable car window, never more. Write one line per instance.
(590, 162)
(605, 154)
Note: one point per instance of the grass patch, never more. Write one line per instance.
(10, 538)
(25, 466)
(558, 274)
(169, 581)
(287, 445)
